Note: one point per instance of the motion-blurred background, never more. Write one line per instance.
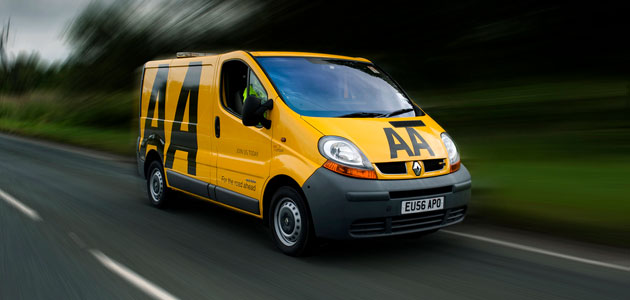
(535, 93)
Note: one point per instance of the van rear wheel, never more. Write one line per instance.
(156, 185)
(291, 226)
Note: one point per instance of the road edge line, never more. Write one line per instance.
(538, 250)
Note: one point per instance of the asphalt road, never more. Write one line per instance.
(91, 234)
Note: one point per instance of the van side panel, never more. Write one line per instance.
(206, 156)
(298, 156)
(175, 118)
(181, 131)
(152, 110)
(244, 153)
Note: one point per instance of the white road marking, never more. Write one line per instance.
(538, 250)
(75, 238)
(133, 278)
(19, 206)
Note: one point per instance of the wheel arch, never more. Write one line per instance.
(272, 186)
(151, 156)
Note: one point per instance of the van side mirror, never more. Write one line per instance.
(254, 111)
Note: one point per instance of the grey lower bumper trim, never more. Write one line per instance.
(338, 202)
(367, 196)
(462, 186)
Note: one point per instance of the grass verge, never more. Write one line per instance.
(584, 199)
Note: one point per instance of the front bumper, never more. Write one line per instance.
(345, 208)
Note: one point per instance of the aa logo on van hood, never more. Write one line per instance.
(396, 143)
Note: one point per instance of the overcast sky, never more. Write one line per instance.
(38, 25)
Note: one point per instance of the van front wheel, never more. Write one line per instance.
(156, 185)
(291, 227)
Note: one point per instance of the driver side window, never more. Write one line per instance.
(237, 82)
(255, 88)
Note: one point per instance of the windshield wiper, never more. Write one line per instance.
(398, 112)
(362, 114)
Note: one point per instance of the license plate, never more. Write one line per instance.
(422, 205)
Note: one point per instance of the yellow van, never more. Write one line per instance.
(315, 145)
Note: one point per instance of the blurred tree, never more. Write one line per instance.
(432, 42)
(112, 40)
(24, 73)
(4, 38)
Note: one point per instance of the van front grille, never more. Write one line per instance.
(407, 223)
(456, 214)
(400, 167)
(392, 168)
(417, 221)
(431, 165)
(368, 226)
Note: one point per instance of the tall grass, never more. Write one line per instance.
(101, 121)
(115, 110)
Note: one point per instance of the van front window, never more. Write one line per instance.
(324, 87)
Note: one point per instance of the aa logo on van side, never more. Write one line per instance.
(180, 140)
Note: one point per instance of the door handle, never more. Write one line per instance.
(217, 127)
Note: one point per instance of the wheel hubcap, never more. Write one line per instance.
(288, 222)
(155, 185)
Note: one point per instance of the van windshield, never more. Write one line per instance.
(324, 87)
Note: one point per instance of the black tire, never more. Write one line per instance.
(297, 236)
(159, 194)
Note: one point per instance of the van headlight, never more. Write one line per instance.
(453, 154)
(343, 151)
(345, 158)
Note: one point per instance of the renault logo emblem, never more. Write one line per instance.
(417, 168)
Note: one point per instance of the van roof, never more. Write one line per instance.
(304, 54)
(185, 56)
